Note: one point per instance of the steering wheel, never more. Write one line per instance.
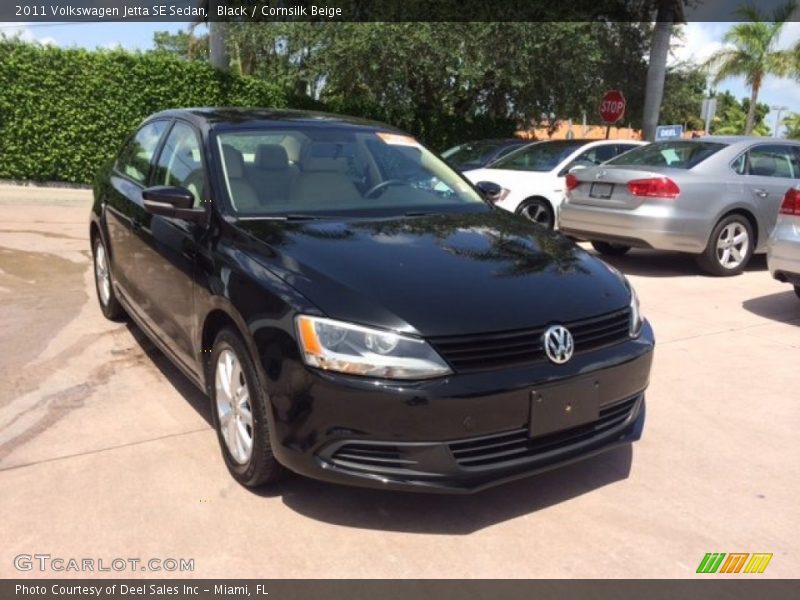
(382, 186)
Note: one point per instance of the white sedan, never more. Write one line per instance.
(532, 177)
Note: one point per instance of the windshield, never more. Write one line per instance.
(471, 153)
(544, 156)
(332, 170)
(678, 155)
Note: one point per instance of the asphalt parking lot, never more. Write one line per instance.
(107, 451)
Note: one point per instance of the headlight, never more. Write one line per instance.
(636, 315)
(347, 348)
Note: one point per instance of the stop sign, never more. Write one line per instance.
(612, 106)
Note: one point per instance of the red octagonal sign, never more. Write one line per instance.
(612, 107)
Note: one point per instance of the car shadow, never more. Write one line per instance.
(783, 307)
(652, 263)
(196, 399)
(444, 514)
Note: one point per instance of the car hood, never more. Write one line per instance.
(444, 274)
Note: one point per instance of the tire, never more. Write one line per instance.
(231, 363)
(724, 257)
(537, 210)
(609, 249)
(103, 283)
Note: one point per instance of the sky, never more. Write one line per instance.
(699, 41)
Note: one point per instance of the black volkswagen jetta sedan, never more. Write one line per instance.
(354, 309)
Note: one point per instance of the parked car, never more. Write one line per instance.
(354, 309)
(783, 249)
(714, 197)
(532, 177)
(480, 153)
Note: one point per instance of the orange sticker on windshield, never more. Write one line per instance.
(397, 139)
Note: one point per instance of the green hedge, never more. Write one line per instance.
(64, 112)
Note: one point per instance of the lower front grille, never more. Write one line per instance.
(494, 450)
(371, 457)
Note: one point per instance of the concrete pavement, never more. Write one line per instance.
(106, 451)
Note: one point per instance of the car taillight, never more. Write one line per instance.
(791, 203)
(654, 187)
(572, 182)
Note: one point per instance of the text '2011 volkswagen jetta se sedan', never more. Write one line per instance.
(354, 309)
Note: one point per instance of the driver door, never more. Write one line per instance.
(168, 247)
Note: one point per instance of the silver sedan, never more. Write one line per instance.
(783, 250)
(714, 197)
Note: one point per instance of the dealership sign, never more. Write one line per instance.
(668, 132)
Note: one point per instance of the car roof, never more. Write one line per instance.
(741, 139)
(213, 117)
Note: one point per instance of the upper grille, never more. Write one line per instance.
(513, 445)
(513, 348)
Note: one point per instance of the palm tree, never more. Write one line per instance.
(751, 53)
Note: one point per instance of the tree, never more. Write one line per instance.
(684, 91)
(669, 13)
(184, 44)
(752, 54)
(792, 123)
(731, 118)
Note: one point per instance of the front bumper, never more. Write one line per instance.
(650, 225)
(467, 432)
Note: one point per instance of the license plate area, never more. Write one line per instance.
(601, 190)
(564, 406)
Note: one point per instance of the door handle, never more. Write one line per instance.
(761, 193)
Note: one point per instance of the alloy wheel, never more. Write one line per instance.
(732, 245)
(233, 406)
(538, 213)
(101, 274)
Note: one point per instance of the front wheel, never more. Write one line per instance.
(609, 249)
(103, 285)
(539, 211)
(729, 247)
(239, 412)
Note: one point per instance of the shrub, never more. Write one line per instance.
(64, 112)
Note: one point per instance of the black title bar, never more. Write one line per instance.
(190, 11)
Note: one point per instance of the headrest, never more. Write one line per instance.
(234, 162)
(324, 164)
(763, 165)
(271, 157)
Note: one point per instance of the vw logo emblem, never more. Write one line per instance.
(558, 344)
(600, 175)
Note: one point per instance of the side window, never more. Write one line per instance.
(621, 148)
(181, 163)
(739, 166)
(772, 161)
(134, 160)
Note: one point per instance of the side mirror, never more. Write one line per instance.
(171, 201)
(576, 166)
(490, 190)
